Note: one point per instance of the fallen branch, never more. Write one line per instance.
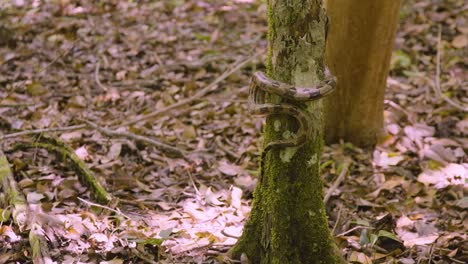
(197, 95)
(337, 182)
(168, 149)
(85, 175)
(225, 149)
(104, 207)
(42, 130)
(436, 85)
(17, 105)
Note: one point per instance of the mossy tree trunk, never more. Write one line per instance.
(359, 49)
(288, 223)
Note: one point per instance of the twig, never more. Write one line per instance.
(436, 85)
(96, 77)
(337, 182)
(168, 149)
(352, 229)
(192, 181)
(42, 130)
(58, 57)
(457, 261)
(139, 204)
(104, 207)
(410, 116)
(431, 252)
(17, 105)
(337, 221)
(229, 235)
(226, 150)
(197, 95)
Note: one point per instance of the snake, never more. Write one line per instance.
(261, 85)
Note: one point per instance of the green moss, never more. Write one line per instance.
(85, 175)
(288, 223)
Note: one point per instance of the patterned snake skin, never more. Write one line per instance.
(261, 86)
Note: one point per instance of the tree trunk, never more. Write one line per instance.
(288, 223)
(359, 49)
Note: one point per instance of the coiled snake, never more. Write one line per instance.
(261, 85)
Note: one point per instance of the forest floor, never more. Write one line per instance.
(100, 73)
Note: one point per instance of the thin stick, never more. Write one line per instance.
(58, 57)
(436, 85)
(338, 218)
(96, 77)
(197, 95)
(42, 130)
(192, 181)
(104, 207)
(352, 229)
(225, 149)
(337, 182)
(52, 62)
(17, 105)
(168, 149)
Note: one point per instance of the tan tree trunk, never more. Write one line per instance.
(288, 223)
(359, 48)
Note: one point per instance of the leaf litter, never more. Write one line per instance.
(114, 62)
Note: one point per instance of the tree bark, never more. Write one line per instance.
(288, 223)
(359, 49)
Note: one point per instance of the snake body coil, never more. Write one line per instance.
(261, 85)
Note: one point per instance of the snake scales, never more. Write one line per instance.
(261, 86)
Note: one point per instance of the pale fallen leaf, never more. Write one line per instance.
(246, 182)
(460, 41)
(235, 197)
(418, 131)
(438, 153)
(393, 129)
(34, 197)
(82, 153)
(7, 231)
(229, 169)
(462, 126)
(452, 174)
(384, 159)
(72, 135)
(425, 233)
(387, 185)
(212, 198)
(114, 151)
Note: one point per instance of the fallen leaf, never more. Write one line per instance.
(34, 197)
(452, 174)
(82, 153)
(460, 41)
(229, 169)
